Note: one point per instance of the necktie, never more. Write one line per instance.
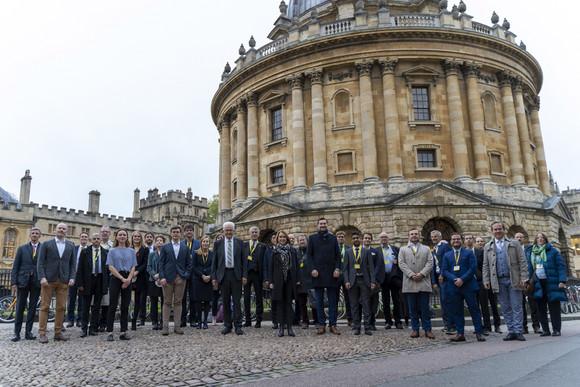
(33, 257)
(456, 256)
(229, 258)
(356, 256)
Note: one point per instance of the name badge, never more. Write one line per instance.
(302, 264)
(357, 266)
(539, 265)
(249, 258)
(342, 260)
(387, 262)
(456, 268)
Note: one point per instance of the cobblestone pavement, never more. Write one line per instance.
(199, 357)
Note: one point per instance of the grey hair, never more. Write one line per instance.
(436, 232)
(228, 224)
(95, 234)
(302, 234)
(253, 228)
(36, 229)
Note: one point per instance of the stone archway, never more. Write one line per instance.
(513, 230)
(348, 229)
(442, 224)
(265, 236)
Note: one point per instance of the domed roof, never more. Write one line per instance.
(298, 7)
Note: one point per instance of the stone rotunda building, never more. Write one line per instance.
(383, 116)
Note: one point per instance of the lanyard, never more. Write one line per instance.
(386, 253)
(95, 255)
(252, 249)
(204, 258)
(342, 251)
(414, 250)
(456, 257)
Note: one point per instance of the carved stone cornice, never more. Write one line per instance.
(505, 78)
(536, 104)
(471, 69)
(388, 65)
(251, 99)
(315, 76)
(296, 81)
(451, 67)
(364, 68)
(517, 83)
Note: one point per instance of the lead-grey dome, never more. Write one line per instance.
(298, 7)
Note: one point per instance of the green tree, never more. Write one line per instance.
(213, 209)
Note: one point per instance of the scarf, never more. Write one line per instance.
(284, 251)
(538, 251)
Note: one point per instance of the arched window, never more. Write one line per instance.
(343, 117)
(9, 247)
(490, 111)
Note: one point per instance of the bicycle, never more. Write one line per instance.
(8, 308)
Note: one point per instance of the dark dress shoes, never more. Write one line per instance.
(102, 329)
(429, 335)
(239, 331)
(60, 337)
(43, 339)
(544, 334)
(357, 331)
(281, 332)
(84, 333)
(509, 337)
(110, 337)
(225, 331)
(368, 332)
(124, 336)
(93, 333)
(70, 324)
(457, 338)
(526, 331)
(498, 330)
(79, 324)
(199, 325)
(485, 332)
(247, 324)
(537, 330)
(556, 333)
(16, 337)
(373, 328)
(291, 332)
(388, 326)
(451, 331)
(205, 325)
(398, 325)
(480, 337)
(520, 337)
(29, 336)
(141, 323)
(258, 324)
(274, 326)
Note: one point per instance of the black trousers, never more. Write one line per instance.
(231, 289)
(94, 292)
(188, 304)
(360, 295)
(114, 292)
(554, 306)
(284, 305)
(533, 311)
(391, 291)
(485, 299)
(140, 311)
(32, 294)
(346, 297)
(253, 279)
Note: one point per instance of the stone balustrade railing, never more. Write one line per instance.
(415, 20)
(478, 27)
(337, 27)
(270, 48)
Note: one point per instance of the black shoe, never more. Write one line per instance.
(225, 331)
(110, 337)
(134, 327)
(79, 324)
(357, 331)
(125, 336)
(485, 332)
(556, 333)
(510, 337)
(546, 333)
(239, 331)
(205, 325)
(16, 337)
(198, 325)
(183, 325)
(526, 331)
(247, 324)
(274, 326)
(102, 329)
(281, 332)
(373, 328)
(70, 324)
(498, 330)
(368, 332)
(93, 333)
(451, 331)
(398, 325)
(84, 333)
(141, 323)
(520, 337)
(258, 324)
(291, 332)
(388, 326)
(29, 336)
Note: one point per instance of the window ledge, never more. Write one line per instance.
(491, 129)
(435, 169)
(338, 128)
(435, 124)
(502, 174)
(283, 141)
(345, 173)
(270, 186)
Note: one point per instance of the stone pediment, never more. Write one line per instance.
(420, 72)
(265, 208)
(273, 96)
(441, 193)
(558, 206)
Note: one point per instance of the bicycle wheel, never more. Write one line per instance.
(7, 309)
(563, 307)
(252, 307)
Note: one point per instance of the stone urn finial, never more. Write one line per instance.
(252, 42)
(462, 7)
(360, 5)
(454, 10)
(443, 5)
(242, 50)
(494, 18)
(283, 7)
(382, 4)
(522, 45)
(506, 24)
(227, 69)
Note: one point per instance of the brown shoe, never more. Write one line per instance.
(333, 329)
(321, 330)
(60, 337)
(480, 337)
(178, 330)
(430, 335)
(415, 334)
(42, 339)
(165, 330)
(458, 338)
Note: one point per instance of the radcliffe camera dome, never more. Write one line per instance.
(298, 7)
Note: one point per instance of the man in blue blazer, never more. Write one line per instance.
(459, 267)
(227, 273)
(439, 250)
(175, 266)
(25, 281)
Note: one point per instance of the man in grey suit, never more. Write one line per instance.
(227, 272)
(56, 270)
(359, 278)
(25, 282)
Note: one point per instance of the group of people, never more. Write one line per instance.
(311, 273)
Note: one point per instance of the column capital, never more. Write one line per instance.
(517, 83)
(536, 104)
(471, 69)
(296, 81)
(223, 122)
(505, 78)
(315, 75)
(251, 99)
(240, 105)
(388, 65)
(364, 67)
(451, 66)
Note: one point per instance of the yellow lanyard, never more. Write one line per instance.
(252, 249)
(204, 258)
(386, 254)
(35, 250)
(357, 255)
(95, 255)
(342, 251)
(414, 250)
(457, 258)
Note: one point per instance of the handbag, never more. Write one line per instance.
(530, 287)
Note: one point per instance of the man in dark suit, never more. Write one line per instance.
(175, 266)
(192, 245)
(73, 292)
(324, 261)
(367, 239)
(391, 279)
(253, 256)
(227, 273)
(359, 277)
(56, 270)
(25, 281)
(458, 267)
(343, 248)
(92, 280)
(439, 250)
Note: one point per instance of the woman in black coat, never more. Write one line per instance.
(202, 286)
(284, 279)
(141, 276)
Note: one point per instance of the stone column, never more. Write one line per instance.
(299, 137)
(511, 128)
(456, 122)
(480, 158)
(253, 171)
(524, 133)
(242, 153)
(539, 142)
(225, 163)
(318, 129)
(369, 144)
(392, 133)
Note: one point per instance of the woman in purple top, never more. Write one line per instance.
(122, 261)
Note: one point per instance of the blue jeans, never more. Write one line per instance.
(511, 305)
(332, 306)
(72, 303)
(419, 302)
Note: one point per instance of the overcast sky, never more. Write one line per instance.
(115, 95)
